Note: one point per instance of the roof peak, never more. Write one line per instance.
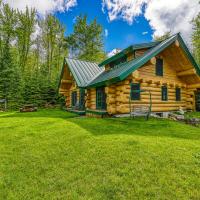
(121, 71)
(134, 47)
(81, 60)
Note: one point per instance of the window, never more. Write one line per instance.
(178, 94)
(100, 99)
(118, 61)
(82, 99)
(164, 93)
(74, 98)
(135, 91)
(159, 67)
(197, 99)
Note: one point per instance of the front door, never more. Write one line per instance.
(101, 99)
(197, 97)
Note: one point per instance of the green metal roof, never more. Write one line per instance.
(128, 49)
(121, 71)
(89, 74)
(83, 71)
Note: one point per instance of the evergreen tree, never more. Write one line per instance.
(9, 76)
(30, 66)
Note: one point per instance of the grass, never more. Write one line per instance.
(53, 154)
(193, 114)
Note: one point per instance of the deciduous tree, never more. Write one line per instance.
(86, 42)
(196, 38)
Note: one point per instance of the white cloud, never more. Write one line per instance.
(125, 9)
(106, 32)
(70, 3)
(37, 32)
(145, 33)
(43, 6)
(163, 16)
(74, 20)
(113, 52)
(174, 16)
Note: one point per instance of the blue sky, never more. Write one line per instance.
(124, 20)
(120, 33)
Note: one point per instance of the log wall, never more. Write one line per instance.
(91, 99)
(140, 52)
(67, 86)
(118, 95)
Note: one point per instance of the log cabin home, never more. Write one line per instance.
(166, 69)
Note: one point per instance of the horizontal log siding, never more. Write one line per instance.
(91, 99)
(118, 99)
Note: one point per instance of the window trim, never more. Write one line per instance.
(138, 96)
(102, 104)
(178, 93)
(82, 99)
(118, 61)
(157, 72)
(164, 88)
(72, 98)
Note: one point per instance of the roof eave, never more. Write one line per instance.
(117, 56)
(127, 50)
(61, 75)
(104, 83)
(188, 54)
(128, 72)
(77, 81)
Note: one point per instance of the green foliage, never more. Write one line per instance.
(50, 154)
(163, 37)
(31, 56)
(192, 115)
(25, 27)
(32, 51)
(9, 72)
(196, 38)
(53, 41)
(86, 41)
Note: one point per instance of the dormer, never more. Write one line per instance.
(130, 53)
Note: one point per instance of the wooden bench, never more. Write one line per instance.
(28, 108)
(137, 111)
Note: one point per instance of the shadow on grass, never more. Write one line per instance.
(117, 126)
(49, 113)
(139, 126)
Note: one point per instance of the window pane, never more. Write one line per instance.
(118, 61)
(135, 91)
(73, 98)
(82, 99)
(164, 93)
(178, 94)
(159, 67)
(100, 99)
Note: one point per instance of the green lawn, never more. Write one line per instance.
(52, 154)
(193, 114)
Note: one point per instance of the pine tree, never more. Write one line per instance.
(9, 77)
